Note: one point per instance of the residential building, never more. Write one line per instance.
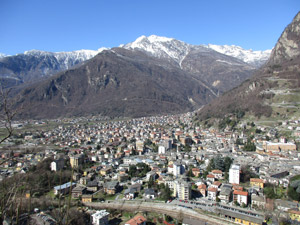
(258, 201)
(240, 197)
(137, 220)
(87, 198)
(177, 169)
(217, 174)
(278, 147)
(111, 187)
(210, 178)
(161, 149)
(294, 215)
(182, 190)
(130, 193)
(212, 193)
(225, 195)
(256, 182)
(76, 160)
(100, 218)
(58, 164)
(150, 193)
(234, 174)
(78, 191)
(64, 188)
(202, 189)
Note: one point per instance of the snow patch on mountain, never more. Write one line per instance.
(66, 59)
(255, 58)
(2, 55)
(161, 47)
(171, 48)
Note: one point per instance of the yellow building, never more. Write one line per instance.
(295, 215)
(27, 195)
(105, 171)
(243, 221)
(87, 198)
(256, 182)
(76, 160)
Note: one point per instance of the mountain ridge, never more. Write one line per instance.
(117, 82)
(273, 91)
(34, 65)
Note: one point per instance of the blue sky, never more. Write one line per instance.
(64, 25)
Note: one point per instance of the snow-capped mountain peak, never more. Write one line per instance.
(2, 55)
(66, 59)
(165, 47)
(255, 58)
(161, 47)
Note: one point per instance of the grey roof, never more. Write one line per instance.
(259, 218)
(225, 191)
(64, 186)
(149, 191)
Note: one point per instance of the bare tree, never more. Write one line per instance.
(6, 113)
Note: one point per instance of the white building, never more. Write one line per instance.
(100, 218)
(234, 174)
(240, 197)
(161, 149)
(57, 165)
(178, 169)
(182, 190)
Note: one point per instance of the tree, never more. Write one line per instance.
(211, 165)
(190, 173)
(132, 171)
(6, 113)
(247, 173)
(219, 163)
(294, 188)
(150, 182)
(227, 163)
(249, 146)
(270, 192)
(165, 193)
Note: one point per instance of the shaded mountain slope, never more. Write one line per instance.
(115, 83)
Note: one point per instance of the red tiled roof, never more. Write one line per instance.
(202, 186)
(218, 183)
(256, 180)
(137, 220)
(212, 189)
(237, 192)
(217, 171)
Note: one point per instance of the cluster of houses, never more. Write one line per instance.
(170, 146)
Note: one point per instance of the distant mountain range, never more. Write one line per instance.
(178, 50)
(274, 90)
(34, 65)
(152, 75)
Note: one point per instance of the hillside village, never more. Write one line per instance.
(246, 176)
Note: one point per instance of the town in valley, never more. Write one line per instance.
(243, 173)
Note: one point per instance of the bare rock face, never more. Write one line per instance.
(288, 45)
